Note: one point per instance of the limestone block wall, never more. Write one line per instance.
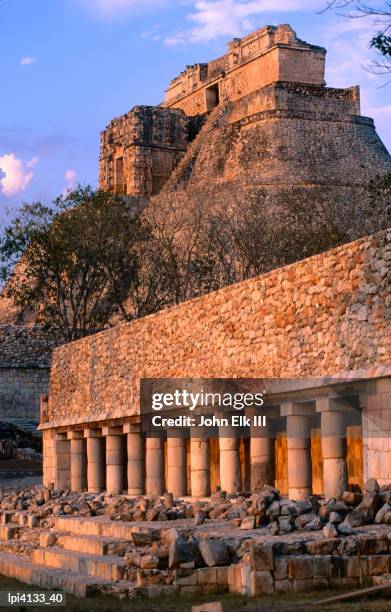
(326, 315)
(25, 354)
(140, 149)
(265, 56)
(285, 136)
(20, 390)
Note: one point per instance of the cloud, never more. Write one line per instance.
(70, 177)
(27, 61)
(108, 9)
(349, 56)
(212, 19)
(17, 175)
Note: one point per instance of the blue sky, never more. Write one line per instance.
(68, 66)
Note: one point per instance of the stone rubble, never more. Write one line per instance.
(107, 537)
(248, 511)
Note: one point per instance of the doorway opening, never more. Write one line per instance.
(212, 97)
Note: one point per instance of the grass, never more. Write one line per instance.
(231, 603)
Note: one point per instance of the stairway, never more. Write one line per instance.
(78, 563)
(182, 172)
(25, 425)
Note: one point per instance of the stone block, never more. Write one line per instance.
(150, 577)
(338, 568)
(322, 547)
(248, 523)
(180, 552)
(356, 567)
(321, 566)
(47, 538)
(300, 568)
(378, 564)
(142, 536)
(207, 575)
(280, 568)
(283, 586)
(329, 531)
(261, 557)
(244, 578)
(234, 579)
(32, 521)
(373, 545)
(185, 578)
(214, 552)
(222, 575)
(261, 583)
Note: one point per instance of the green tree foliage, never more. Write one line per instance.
(71, 264)
(94, 258)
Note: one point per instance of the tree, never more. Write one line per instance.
(381, 17)
(72, 264)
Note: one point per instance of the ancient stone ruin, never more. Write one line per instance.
(307, 504)
(259, 117)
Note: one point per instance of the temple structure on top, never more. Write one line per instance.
(266, 56)
(260, 116)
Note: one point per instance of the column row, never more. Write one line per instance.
(99, 462)
(110, 457)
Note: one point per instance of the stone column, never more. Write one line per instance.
(230, 472)
(199, 464)
(154, 466)
(62, 462)
(114, 460)
(334, 448)
(96, 461)
(262, 455)
(176, 466)
(78, 461)
(299, 448)
(376, 430)
(136, 459)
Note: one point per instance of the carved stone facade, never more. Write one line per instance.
(260, 116)
(266, 56)
(140, 149)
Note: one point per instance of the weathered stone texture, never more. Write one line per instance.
(20, 390)
(25, 354)
(264, 56)
(285, 136)
(325, 315)
(140, 149)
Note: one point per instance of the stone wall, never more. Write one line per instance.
(285, 136)
(20, 390)
(140, 149)
(267, 55)
(25, 354)
(326, 315)
(281, 567)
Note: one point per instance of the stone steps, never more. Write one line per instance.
(92, 527)
(8, 531)
(183, 169)
(108, 567)
(90, 545)
(30, 572)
